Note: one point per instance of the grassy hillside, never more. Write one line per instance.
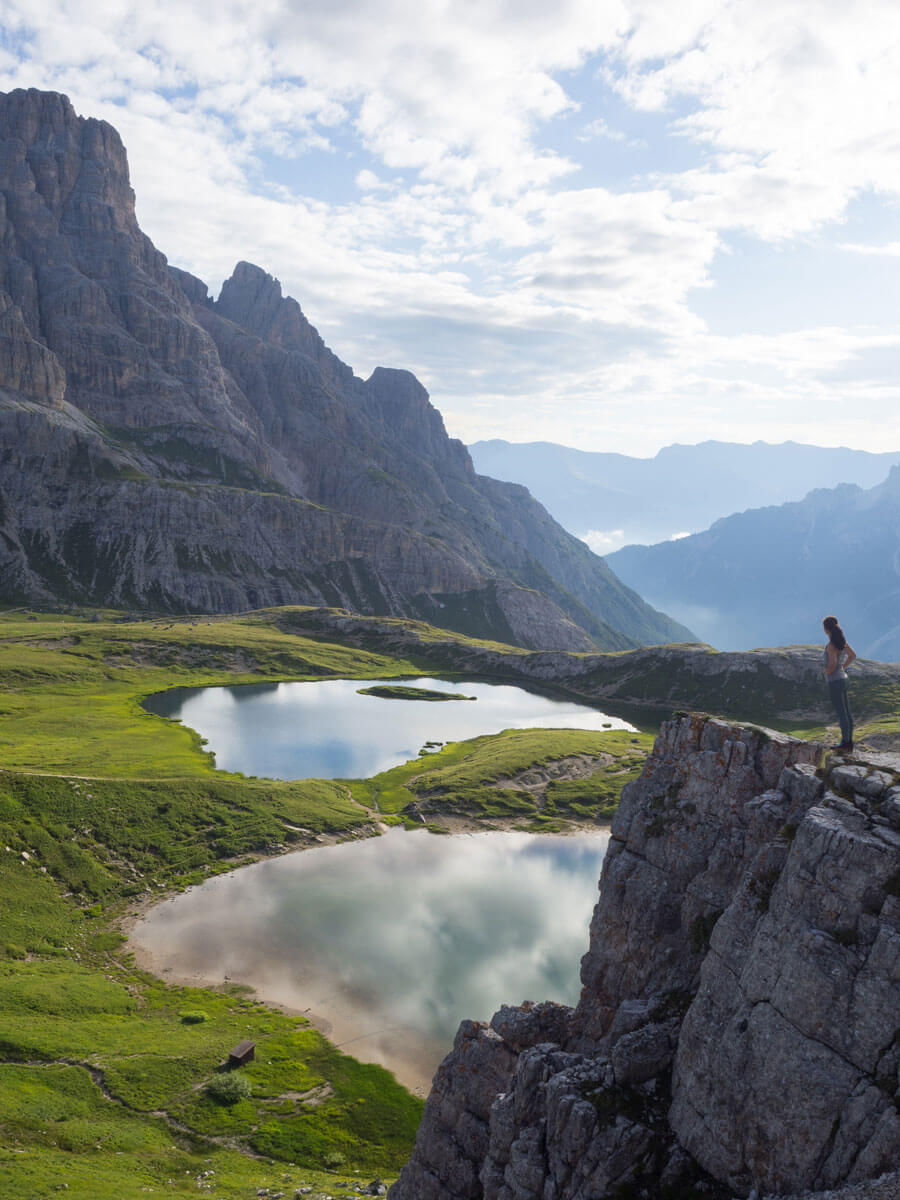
(544, 778)
(105, 1070)
(70, 689)
(107, 1074)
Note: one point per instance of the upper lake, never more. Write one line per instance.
(327, 730)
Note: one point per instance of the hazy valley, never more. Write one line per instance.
(794, 532)
(612, 500)
(769, 575)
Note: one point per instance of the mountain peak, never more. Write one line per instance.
(78, 165)
(27, 113)
(891, 485)
(398, 381)
(253, 298)
(405, 408)
(160, 449)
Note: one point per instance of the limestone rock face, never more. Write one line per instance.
(90, 286)
(217, 455)
(454, 1136)
(738, 1031)
(683, 837)
(252, 299)
(803, 972)
(27, 366)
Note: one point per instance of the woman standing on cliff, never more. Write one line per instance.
(839, 654)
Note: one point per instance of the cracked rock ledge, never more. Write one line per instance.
(738, 1032)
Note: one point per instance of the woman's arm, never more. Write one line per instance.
(850, 655)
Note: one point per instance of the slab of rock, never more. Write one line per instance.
(683, 836)
(739, 1026)
(802, 986)
(453, 1137)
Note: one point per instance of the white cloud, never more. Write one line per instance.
(797, 104)
(618, 258)
(368, 181)
(600, 129)
(604, 543)
(891, 249)
(466, 242)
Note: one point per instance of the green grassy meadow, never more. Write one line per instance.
(70, 689)
(472, 778)
(104, 1069)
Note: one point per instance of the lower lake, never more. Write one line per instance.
(387, 943)
(327, 730)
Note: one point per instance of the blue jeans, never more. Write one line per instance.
(837, 690)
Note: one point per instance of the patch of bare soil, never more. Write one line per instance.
(155, 654)
(535, 780)
(312, 1099)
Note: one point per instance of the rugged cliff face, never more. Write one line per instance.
(160, 449)
(738, 1031)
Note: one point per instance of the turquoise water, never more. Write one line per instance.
(388, 943)
(326, 730)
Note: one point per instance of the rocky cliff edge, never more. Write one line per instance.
(738, 1032)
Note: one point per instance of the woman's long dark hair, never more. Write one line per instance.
(835, 633)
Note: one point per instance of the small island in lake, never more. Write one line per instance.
(398, 691)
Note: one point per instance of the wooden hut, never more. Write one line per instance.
(242, 1054)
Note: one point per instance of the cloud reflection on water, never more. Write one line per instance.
(326, 730)
(407, 932)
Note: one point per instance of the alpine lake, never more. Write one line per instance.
(384, 943)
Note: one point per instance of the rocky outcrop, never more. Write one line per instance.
(216, 454)
(252, 300)
(738, 1031)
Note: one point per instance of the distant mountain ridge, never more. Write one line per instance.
(163, 450)
(767, 577)
(614, 499)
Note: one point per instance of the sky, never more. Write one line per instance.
(614, 224)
